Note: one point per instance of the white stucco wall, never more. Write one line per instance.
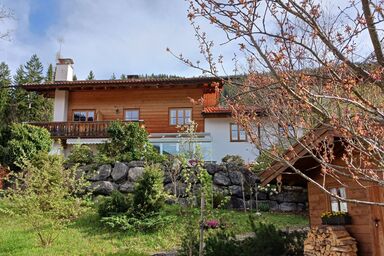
(64, 72)
(221, 144)
(60, 106)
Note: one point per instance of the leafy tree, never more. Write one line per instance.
(34, 70)
(80, 154)
(24, 142)
(91, 76)
(46, 195)
(50, 74)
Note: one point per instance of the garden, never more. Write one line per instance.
(49, 207)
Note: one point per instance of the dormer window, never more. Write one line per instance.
(83, 115)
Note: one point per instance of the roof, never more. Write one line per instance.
(299, 151)
(217, 110)
(205, 82)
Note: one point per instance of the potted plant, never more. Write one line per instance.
(336, 218)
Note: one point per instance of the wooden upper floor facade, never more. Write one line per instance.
(84, 108)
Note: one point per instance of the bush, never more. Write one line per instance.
(116, 204)
(233, 159)
(128, 142)
(263, 206)
(262, 163)
(222, 243)
(25, 142)
(46, 195)
(80, 154)
(149, 195)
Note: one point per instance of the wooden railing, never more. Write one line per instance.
(66, 130)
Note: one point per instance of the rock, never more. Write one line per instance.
(237, 203)
(220, 190)
(288, 207)
(167, 177)
(103, 172)
(183, 202)
(119, 172)
(233, 167)
(87, 168)
(220, 178)
(127, 187)
(211, 168)
(290, 196)
(301, 207)
(262, 196)
(181, 189)
(236, 191)
(221, 168)
(236, 177)
(102, 187)
(136, 164)
(135, 173)
(273, 206)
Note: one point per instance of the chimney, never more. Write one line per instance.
(64, 70)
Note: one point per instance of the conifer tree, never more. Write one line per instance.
(91, 76)
(5, 82)
(34, 70)
(50, 74)
(74, 78)
(113, 77)
(123, 77)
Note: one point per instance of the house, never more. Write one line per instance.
(367, 225)
(84, 109)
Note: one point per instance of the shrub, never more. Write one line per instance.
(263, 206)
(25, 142)
(80, 154)
(116, 204)
(233, 159)
(262, 163)
(222, 243)
(128, 142)
(149, 193)
(46, 195)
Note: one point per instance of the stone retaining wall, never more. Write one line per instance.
(230, 181)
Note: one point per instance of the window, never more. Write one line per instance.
(84, 115)
(180, 116)
(238, 133)
(337, 205)
(131, 115)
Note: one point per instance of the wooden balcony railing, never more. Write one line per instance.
(67, 130)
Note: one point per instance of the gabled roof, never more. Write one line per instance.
(217, 110)
(298, 151)
(204, 82)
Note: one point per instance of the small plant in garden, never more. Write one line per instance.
(80, 154)
(46, 195)
(333, 214)
(269, 189)
(115, 204)
(212, 224)
(233, 159)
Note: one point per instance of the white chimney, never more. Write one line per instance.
(64, 70)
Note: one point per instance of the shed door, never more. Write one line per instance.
(377, 220)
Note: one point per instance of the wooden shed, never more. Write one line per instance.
(367, 225)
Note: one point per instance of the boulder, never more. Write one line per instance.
(119, 172)
(273, 206)
(262, 196)
(220, 178)
(135, 173)
(136, 164)
(288, 207)
(220, 190)
(103, 172)
(181, 189)
(211, 168)
(236, 177)
(237, 203)
(102, 187)
(167, 177)
(127, 187)
(290, 196)
(236, 191)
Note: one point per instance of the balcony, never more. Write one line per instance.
(71, 130)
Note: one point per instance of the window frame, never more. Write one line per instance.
(239, 129)
(87, 114)
(177, 115)
(132, 109)
(340, 204)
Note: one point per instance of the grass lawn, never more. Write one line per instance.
(86, 236)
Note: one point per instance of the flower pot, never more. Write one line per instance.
(336, 220)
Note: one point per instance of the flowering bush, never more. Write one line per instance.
(333, 214)
(212, 224)
(269, 189)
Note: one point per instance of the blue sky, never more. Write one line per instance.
(115, 36)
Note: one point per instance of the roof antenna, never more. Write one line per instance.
(60, 40)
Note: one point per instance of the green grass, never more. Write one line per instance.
(86, 236)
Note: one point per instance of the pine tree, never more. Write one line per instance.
(19, 78)
(74, 78)
(34, 70)
(123, 77)
(50, 75)
(113, 77)
(91, 76)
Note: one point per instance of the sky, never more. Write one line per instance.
(105, 36)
